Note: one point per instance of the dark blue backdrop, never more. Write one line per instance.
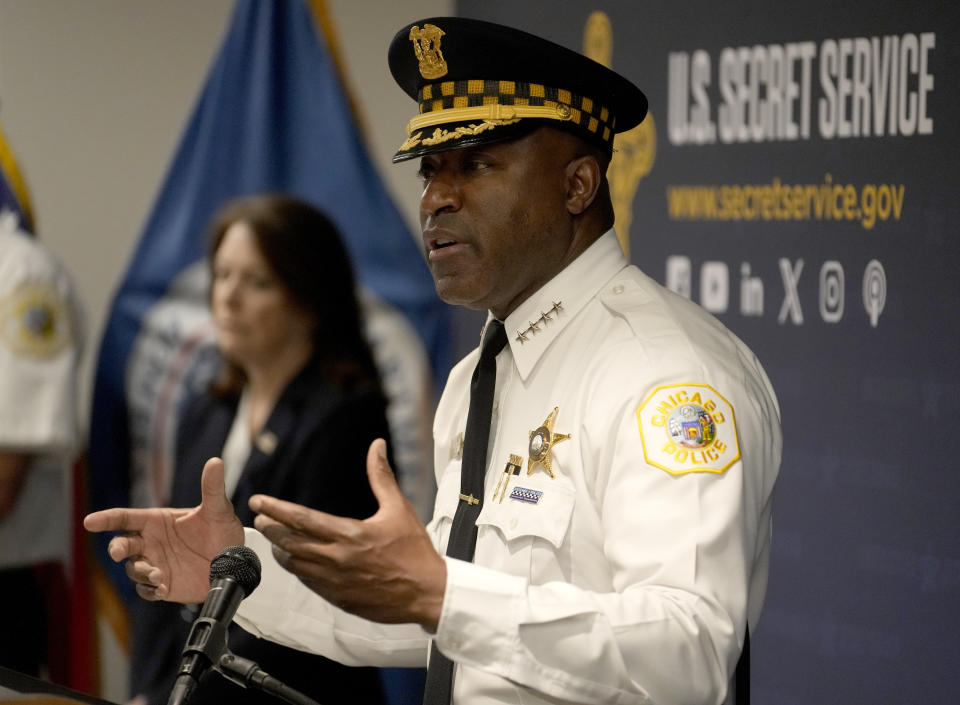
(865, 582)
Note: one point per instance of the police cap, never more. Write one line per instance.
(478, 82)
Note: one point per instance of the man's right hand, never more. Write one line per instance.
(170, 550)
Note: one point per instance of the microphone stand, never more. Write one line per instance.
(248, 674)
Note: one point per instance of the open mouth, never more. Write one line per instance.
(440, 242)
(438, 245)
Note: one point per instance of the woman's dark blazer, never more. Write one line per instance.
(312, 450)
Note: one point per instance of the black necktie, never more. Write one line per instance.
(473, 467)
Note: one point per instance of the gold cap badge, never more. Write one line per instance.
(426, 45)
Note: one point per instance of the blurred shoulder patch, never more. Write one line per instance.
(34, 321)
(687, 428)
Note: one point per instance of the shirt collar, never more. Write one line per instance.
(535, 323)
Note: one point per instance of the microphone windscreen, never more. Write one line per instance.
(240, 563)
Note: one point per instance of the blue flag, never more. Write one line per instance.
(272, 117)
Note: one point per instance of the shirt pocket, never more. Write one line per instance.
(524, 537)
(544, 513)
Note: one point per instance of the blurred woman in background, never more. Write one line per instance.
(292, 414)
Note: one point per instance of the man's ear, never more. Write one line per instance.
(583, 182)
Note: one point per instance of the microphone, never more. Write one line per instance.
(248, 674)
(234, 573)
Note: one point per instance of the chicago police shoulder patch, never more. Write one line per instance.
(33, 321)
(688, 428)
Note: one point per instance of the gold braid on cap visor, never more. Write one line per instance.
(495, 103)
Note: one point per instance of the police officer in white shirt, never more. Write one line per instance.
(41, 331)
(624, 518)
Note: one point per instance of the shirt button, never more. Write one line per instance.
(618, 289)
(513, 523)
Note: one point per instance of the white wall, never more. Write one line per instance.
(94, 95)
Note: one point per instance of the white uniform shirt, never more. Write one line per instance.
(630, 575)
(40, 342)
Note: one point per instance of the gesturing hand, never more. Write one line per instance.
(383, 568)
(170, 549)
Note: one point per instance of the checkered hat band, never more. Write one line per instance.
(474, 93)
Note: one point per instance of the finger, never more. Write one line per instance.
(382, 480)
(283, 539)
(271, 528)
(288, 540)
(308, 521)
(118, 519)
(123, 547)
(213, 491)
(142, 573)
(309, 572)
(281, 556)
(147, 592)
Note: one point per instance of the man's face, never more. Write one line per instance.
(494, 219)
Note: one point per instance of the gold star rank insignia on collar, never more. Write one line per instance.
(542, 439)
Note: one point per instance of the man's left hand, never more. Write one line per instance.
(383, 568)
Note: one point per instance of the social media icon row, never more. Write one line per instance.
(714, 288)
